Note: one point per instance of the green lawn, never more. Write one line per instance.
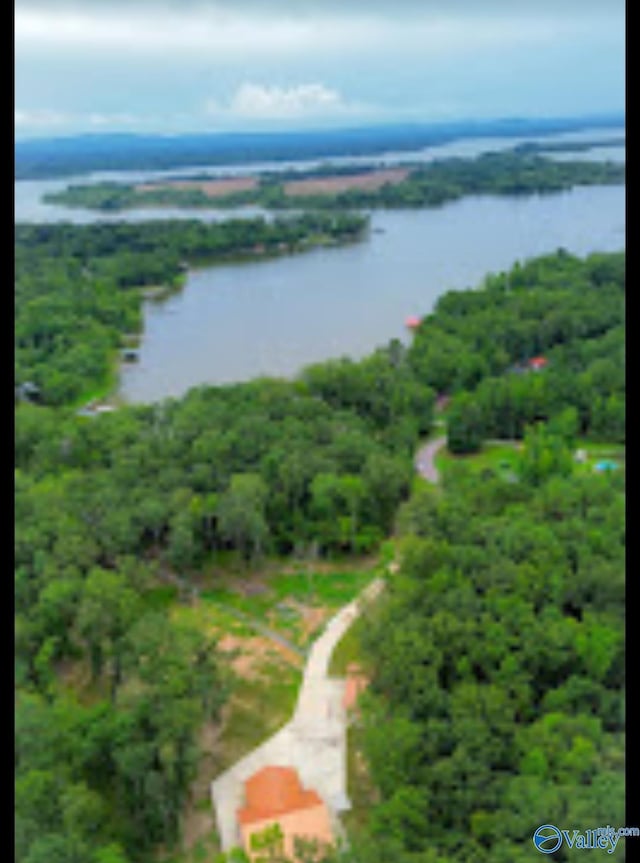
(284, 601)
(500, 457)
(503, 457)
(212, 619)
(603, 450)
(313, 588)
(347, 650)
(256, 710)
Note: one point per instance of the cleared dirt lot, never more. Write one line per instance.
(211, 188)
(369, 181)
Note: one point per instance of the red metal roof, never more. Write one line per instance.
(538, 362)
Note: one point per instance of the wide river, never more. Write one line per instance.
(237, 321)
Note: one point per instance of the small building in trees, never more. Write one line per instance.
(534, 364)
(537, 363)
(274, 795)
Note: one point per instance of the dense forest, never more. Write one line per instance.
(79, 290)
(496, 703)
(509, 708)
(478, 346)
(504, 173)
(496, 663)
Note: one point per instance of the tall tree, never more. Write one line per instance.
(241, 514)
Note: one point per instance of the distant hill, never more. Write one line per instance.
(50, 157)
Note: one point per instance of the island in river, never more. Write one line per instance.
(515, 172)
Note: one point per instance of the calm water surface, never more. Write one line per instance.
(236, 322)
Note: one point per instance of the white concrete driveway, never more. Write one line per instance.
(313, 741)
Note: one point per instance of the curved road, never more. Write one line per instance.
(425, 459)
(313, 741)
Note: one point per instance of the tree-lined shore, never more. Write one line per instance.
(516, 172)
(496, 665)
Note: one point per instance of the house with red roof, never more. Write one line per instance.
(274, 795)
(537, 363)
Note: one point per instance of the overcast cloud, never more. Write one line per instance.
(173, 65)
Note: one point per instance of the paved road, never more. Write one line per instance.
(313, 741)
(424, 462)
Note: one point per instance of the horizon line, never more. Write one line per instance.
(617, 116)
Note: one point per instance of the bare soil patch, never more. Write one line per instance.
(312, 620)
(211, 188)
(248, 655)
(370, 181)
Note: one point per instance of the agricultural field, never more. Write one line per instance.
(216, 188)
(369, 181)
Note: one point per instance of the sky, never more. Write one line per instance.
(172, 66)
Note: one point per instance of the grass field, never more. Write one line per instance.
(295, 605)
(496, 456)
(348, 649)
(502, 457)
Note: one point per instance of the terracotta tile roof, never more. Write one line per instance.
(274, 791)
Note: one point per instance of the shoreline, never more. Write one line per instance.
(521, 170)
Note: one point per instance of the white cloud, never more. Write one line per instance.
(39, 119)
(330, 61)
(271, 102)
(225, 31)
(254, 103)
(138, 30)
(43, 120)
(108, 120)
